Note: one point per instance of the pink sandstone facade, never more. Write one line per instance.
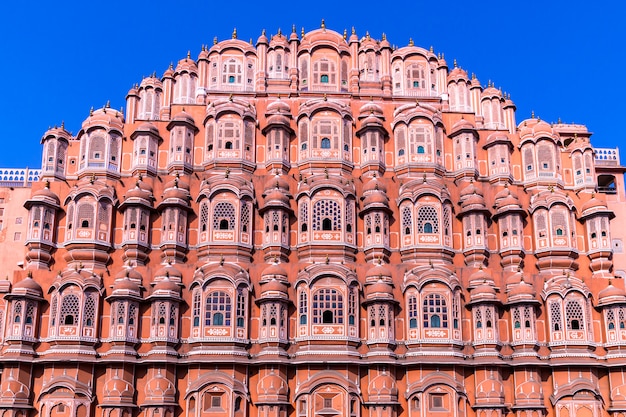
(320, 225)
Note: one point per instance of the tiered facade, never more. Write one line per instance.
(321, 225)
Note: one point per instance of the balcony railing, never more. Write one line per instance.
(607, 156)
(18, 177)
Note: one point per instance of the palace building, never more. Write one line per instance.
(317, 225)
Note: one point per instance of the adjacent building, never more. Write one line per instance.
(318, 225)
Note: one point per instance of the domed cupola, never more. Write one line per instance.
(485, 304)
(137, 208)
(146, 139)
(380, 304)
(174, 208)
(42, 208)
(376, 215)
(274, 304)
(182, 130)
(475, 217)
(101, 143)
(278, 132)
(509, 216)
(373, 134)
(55, 143)
(596, 217)
(276, 212)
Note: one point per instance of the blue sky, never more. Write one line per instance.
(59, 59)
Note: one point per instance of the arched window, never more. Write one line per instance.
(427, 220)
(218, 309)
(420, 149)
(224, 216)
(435, 311)
(574, 315)
(327, 305)
(325, 144)
(327, 215)
(413, 311)
(70, 306)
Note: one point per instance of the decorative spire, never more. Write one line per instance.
(235, 33)
(431, 49)
(455, 66)
(345, 34)
(323, 25)
(215, 40)
(280, 32)
(302, 32)
(532, 114)
(411, 43)
(353, 30)
(188, 55)
(293, 28)
(384, 36)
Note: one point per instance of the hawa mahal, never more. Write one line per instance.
(317, 225)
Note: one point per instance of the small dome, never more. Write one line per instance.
(127, 285)
(376, 199)
(611, 294)
(187, 65)
(151, 81)
(277, 182)
(374, 185)
(479, 276)
(593, 204)
(522, 289)
(470, 190)
(474, 201)
(176, 189)
(542, 128)
(128, 272)
(147, 127)
(458, 74)
(370, 108)
(274, 286)
(274, 271)
(276, 196)
(378, 272)
(483, 292)
(262, 40)
(46, 194)
(105, 117)
(461, 126)
(27, 285)
(168, 271)
(379, 287)
(183, 116)
(141, 190)
(278, 106)
(165, 286)
(491, 92)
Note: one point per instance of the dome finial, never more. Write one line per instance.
(532, 114)
(280, 32)
(353, 30)
(455, 66)
(431, 49)
(293, 28)
(384, 37)
(235, 33)
(345, 34)
(411, 43)
(215, 40)
(302, 32)
(188, 55)
(323, 25)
